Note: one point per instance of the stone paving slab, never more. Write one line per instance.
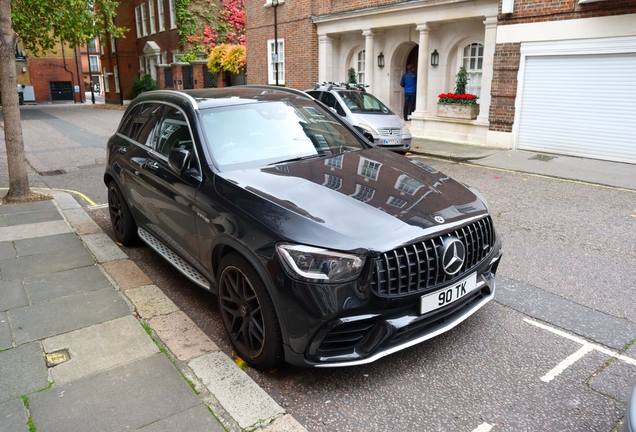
(126, 274)
(150, 301)
(22, 371)
(13, 416)
(194, 419)
(27, 207)
(33, 217)
(65, 201)
(33, 265)
(286, 423)
(124, 398)
(597, 326)
(103, 248)
(47, 287)
(615, 380)
(182, 336)
(100, 347)
(7, 250)
(12, 295)
(66, 314)
(49, 244)
(250, 406)
(33, 230)
(5, 332)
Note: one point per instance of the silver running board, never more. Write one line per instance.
(174, 259)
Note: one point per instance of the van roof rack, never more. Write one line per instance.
(341, 85)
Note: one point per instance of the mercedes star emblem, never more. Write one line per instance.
(439, 219)
(453, 255)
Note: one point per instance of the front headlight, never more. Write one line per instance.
(368, 128)
(320, 265)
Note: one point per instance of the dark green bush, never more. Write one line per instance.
(146, 83)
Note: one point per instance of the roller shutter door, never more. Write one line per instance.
(582, 105)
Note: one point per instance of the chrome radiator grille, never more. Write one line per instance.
(390, 131)
(418, 267)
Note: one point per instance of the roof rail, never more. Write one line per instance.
(341, 85)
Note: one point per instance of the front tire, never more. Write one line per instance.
(248, 313)
(121, 218)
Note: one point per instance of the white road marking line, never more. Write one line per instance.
(567, 362)
(484, 427)
(586, 348)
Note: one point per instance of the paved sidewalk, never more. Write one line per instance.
(615, 174)
(88, 343)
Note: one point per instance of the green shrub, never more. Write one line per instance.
(352, 76)
(146, 83)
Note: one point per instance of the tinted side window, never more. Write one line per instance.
(314, 93)
(126, 124)
(174, 132)
(331, 101)
(147, 122)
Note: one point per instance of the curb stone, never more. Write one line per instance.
(216, 386)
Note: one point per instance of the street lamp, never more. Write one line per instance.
(275, 4)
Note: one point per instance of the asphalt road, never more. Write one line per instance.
(537, 358)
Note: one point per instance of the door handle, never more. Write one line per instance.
(122, 150)
(152, 165)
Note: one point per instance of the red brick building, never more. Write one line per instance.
(517, 52)
(51, 76)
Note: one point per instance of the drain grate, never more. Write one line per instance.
(51, 173)
(542, 158)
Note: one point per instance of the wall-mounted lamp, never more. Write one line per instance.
(23, 70)
(434, 58)
(381, 60)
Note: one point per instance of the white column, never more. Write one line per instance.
(324, 58)
(422, 72)
(369, 56)
(490, 39)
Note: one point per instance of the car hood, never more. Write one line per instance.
(377, 120)
(365, 200)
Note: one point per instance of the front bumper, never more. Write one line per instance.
(354, 327)
(403, 146)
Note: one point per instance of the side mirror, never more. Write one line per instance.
(179, 159)
(365, 133)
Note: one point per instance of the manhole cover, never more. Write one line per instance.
(51, 173)
(542, 158)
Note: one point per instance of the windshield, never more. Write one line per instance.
(363, 102)
(264, 133)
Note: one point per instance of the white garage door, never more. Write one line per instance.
(583, 105)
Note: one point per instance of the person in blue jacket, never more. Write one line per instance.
(409, 83)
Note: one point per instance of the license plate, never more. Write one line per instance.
(392, 142)
(446, 296)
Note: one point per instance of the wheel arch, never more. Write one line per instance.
(227, 245)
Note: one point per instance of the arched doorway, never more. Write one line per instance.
(405, 54)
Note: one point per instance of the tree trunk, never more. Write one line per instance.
(18, 178)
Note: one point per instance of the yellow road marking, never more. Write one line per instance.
(81, 195)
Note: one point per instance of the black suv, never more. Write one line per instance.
(322, 250)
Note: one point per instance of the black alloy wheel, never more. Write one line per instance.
(248, 313)
(120, 216)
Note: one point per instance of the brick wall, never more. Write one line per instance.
(299, 34)
(504, 86)
(334, 6)
(49, 66)
(526, 11)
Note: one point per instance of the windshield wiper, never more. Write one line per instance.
(311, 156)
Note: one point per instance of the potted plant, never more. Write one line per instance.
(459, 104)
